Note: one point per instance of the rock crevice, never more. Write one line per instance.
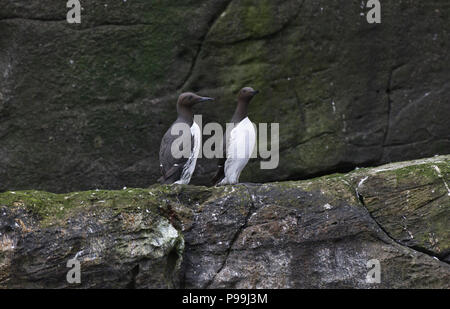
(316, 233)
(85, 106)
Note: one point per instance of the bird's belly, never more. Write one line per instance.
(233, 169)
(188, 171)
(189, 167)
(240, 148)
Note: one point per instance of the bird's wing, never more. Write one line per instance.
(171, 158)
(220, 174)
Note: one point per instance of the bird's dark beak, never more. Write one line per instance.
(255, 92)
(205, 99)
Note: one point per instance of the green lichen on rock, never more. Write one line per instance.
(242, 236)
(85, 106)
(411, 200)
(51, 208)
(121, 234)
(251, 19)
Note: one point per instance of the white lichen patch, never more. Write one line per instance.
(166, 235)
(361, 182)
(7, 243)
(442, 177)
(399, 165)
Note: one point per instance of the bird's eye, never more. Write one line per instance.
(190, 98)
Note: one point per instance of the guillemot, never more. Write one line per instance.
(238, 143)
(176, 163)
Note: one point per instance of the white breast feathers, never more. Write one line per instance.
(189, 167)
(240, 147)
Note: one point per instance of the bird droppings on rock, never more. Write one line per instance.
(266, 236)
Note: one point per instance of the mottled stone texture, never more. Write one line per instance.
(301, 234)
(85, 106)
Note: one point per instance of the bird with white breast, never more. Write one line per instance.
(238, 143)
(177, 162)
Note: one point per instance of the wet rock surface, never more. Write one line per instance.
(85, 106)
(317, 233)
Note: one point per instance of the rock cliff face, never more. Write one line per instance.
(318, 233)
(85, 106)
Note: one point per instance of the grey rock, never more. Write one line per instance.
(85, 106)
(317, 233)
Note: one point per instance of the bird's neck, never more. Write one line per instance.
(241, 111)
(185, 114)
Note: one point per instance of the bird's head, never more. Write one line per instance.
(246, 94)
(189, 99)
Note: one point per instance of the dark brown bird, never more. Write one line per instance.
(176, 163)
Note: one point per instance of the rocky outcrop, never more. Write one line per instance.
(117, 242)
(85, 106)
(317, 233)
